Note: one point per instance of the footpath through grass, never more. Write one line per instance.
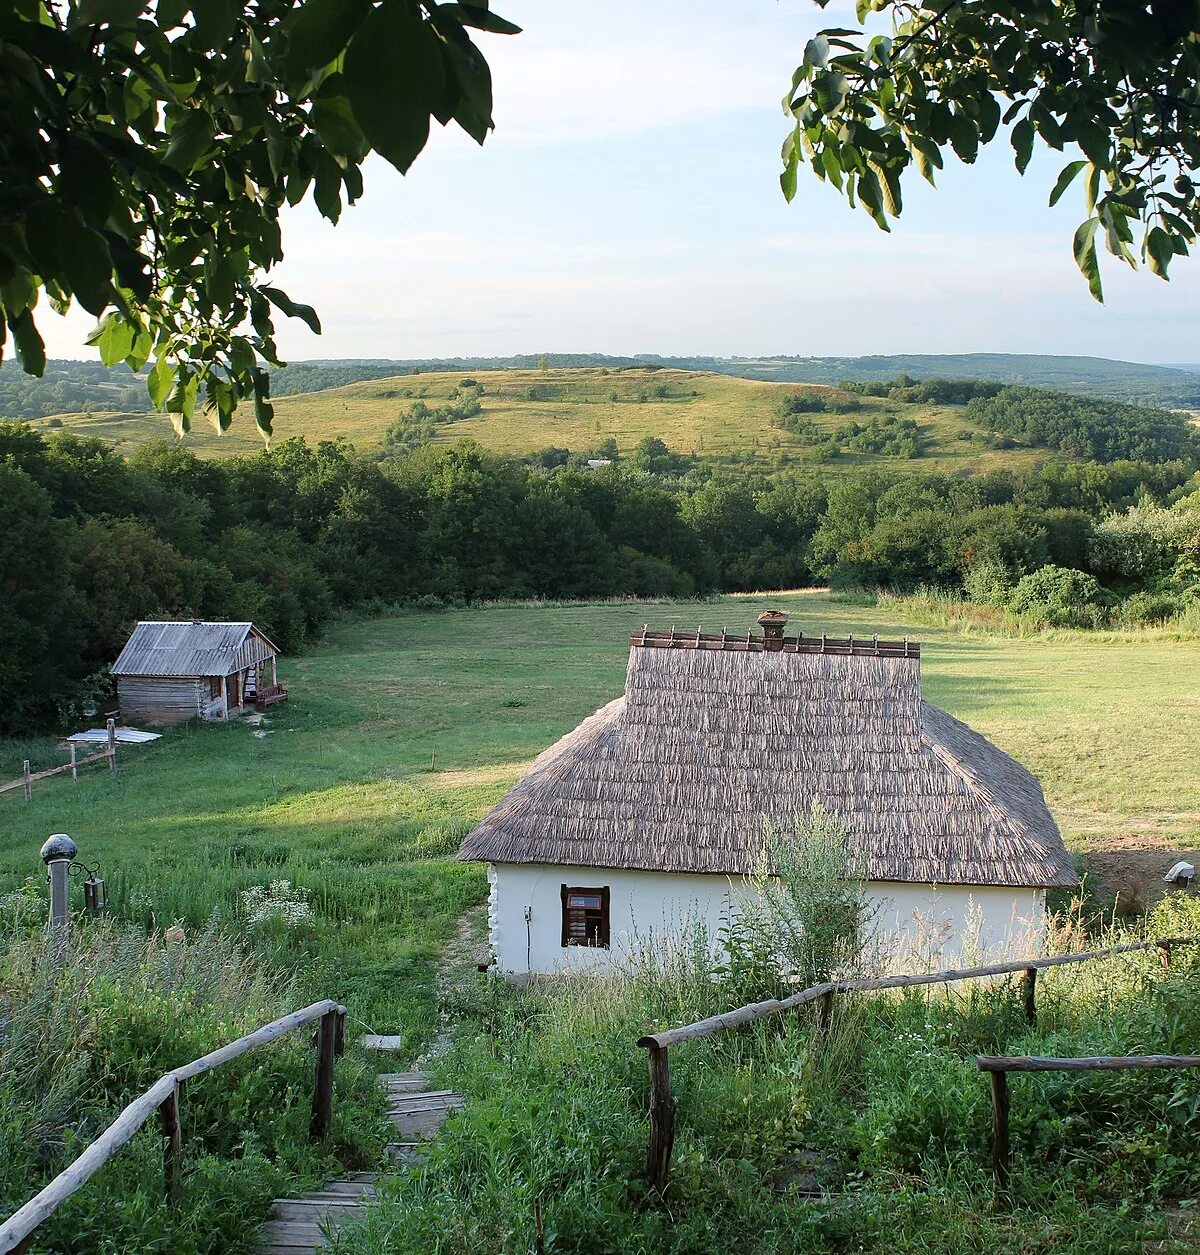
(402, 731)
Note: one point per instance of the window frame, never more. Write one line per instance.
(604, 931)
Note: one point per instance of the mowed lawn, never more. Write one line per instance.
(524, 411)
(400, 732)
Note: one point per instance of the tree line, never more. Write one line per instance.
(90, 542)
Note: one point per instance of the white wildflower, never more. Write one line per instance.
(280, 900)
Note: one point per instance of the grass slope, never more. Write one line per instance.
(710, 415)
(339, 795)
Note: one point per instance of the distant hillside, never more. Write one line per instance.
(713, 418)
(79, 387)
(1088, 376)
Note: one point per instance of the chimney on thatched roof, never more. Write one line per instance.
(668, 776)
(772, 623)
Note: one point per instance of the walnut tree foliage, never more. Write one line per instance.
(147, 148)
(1112, 84)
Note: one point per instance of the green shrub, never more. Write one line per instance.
(1144, 608)
(1057, 596)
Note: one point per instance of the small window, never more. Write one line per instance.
(585, 917)
(214, 687)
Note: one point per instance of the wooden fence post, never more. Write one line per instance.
(339, 1040)
(25, 780)
(111, 728)
(662, 1118)
(74, 769)
(172, 1135)
(1164, 954)
(824, 1012)
(322, 1106)
(1000, 1154)
(1029, 990)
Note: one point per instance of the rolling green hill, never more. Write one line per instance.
(70, 386)
(712, 416)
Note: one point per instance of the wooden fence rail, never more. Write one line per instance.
(16, 1233)
(999, 1068)
(26, 779)
(656, 1045)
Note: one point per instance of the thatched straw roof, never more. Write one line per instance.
(716, 735)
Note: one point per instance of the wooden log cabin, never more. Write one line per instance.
(173, 672)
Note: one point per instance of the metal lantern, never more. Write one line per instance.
(95, 896)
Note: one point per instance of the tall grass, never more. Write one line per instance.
(78, 1042)
(948, 608)
(871, 1136)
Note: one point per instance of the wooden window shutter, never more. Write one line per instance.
(585, 916)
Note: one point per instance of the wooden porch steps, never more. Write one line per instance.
(301, 1226)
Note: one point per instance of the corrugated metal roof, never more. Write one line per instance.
(193, 648)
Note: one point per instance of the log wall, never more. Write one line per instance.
(162, 699)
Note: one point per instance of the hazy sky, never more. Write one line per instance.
(628, 203)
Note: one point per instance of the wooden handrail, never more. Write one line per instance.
(774, 1006)
(163, 1096)
(998, 1069)
(662, 1101)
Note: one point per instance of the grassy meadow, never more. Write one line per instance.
(402, 731)
(399, 734)
(713, 416)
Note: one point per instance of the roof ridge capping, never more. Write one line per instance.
(772, 640)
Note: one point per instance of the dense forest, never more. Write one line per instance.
(91, 542)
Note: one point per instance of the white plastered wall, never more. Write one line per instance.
(923, 926)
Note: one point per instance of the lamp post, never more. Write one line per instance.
(57, 854)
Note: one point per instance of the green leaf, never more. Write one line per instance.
(394, 79)
(1086, 256)
(831, 164)
(159, 382)
(479, 17)
(114, 337)
(1066, 177)
(31, 352)
(1021, 138)
(1160, 250)
(318, 32)
(1091, 192)
(830, 89)
(889, 186)
(335, 123)
(964, 137)
(86, 266)
(112, 12)
(927, 157)
(816, 52)
(191, 140)
(292, 309)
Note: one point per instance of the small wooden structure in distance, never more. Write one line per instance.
(172, 672)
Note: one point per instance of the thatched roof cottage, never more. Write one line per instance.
(649, 813)
(172, 672)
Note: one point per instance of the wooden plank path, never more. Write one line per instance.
(300, 1225)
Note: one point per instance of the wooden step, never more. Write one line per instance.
(406, 1154)
(415, 1080)
(381, 1041)
(288, 1238)
(300, 1224)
